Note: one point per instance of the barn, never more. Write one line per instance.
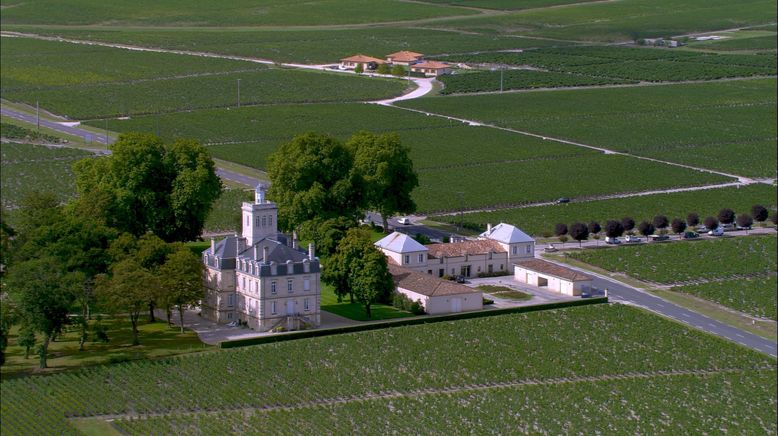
(557, 278)
(438, 296)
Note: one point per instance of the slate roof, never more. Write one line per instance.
(507, 234)
(227, 248)
(400, 243)
(457, 249)
(553, 269)
(426, 284)
(278, 252)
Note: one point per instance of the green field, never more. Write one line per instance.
(758, 41)
(624, 20)
(690, 123)
(542, 219)
(755, 296)
(688, 261)
(27, 168)
(518, 79)
(23, 134)
(594, 65)
(313, 46)
(559, 349)
(112, 82)
(442, 151)
(187, 13)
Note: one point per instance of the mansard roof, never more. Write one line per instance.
(227, 248)
(507, 234)
(400, 243)
(278, 252)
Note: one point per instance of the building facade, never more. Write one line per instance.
(495, 251)
(261, 278)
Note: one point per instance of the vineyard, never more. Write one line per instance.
(688, 262)
(98, 90)
(14, 132)
(534, 355)
(314, 46)
(180, 13)
(541, 220)
(755, 296)
(27, 168)
(685, 123)
(518, 79)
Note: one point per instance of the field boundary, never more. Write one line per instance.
(406, 322)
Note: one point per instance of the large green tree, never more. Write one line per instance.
(358, 269)
(128, 290)
(386, 169)
(181, 280)
(146, 185)
(44, 291)
(311, 178)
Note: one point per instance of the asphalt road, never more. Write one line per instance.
(74, 130)
(622, 293)
(408, 229)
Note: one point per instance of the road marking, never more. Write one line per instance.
(686, 314)
(739, 335)
(660, 304)
(712, 325)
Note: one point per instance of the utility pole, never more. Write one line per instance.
(461, 211)
(106, 132)
(37, 115)
(501, 71)
(238, 93)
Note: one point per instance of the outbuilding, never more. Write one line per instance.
(431, 68)
(557, 278)
(368, 63)
(438, 296)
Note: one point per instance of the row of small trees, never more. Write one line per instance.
(614, 228)
(396, 70)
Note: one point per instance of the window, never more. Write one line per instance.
(273, 287)
(306, 284)
(264, 221)
(429, 271)
(270, 220)
(501, 268)
(529, 249)
(407, 259)
(244, 282)
(289, 285)
(490, 255)
(441, 272)
(453, 271)
(230, 300)
(273, 307)
(248, 222)
(305, 304)
(441, 260)
(491, 269)
(515, 249)
(421, 258)
(256, 223)
(229, 315)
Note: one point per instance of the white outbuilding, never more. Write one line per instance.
(557, 278)
(438, 296)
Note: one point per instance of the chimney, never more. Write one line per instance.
(488, 228)
(265, 255)
(294, 240)
(310, 251)
(213, 245)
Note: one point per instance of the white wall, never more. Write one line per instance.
(442, 304)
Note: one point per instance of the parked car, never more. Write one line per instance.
(609, 240)
(632, 238)
(659, 237)
(404, 221)
(550, 249)
(459, 279)
(743, 228)
(718, 231)
(563, 200)
(691, 235)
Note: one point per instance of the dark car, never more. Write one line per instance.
(691, 235)
(563, 200)
(459, 279)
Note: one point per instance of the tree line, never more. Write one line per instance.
(615, 228)
(117, 248)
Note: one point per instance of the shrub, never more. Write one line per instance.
(726, 216)
(711, 223)
(759, 213)
(402, 302)
(487, 301)
(693, 219)
(494, 274)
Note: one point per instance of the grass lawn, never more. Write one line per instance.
(504, 292)
(356, 311)
(156, 340)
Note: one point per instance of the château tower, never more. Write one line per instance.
(259, 218)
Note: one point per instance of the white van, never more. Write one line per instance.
(404, 221)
